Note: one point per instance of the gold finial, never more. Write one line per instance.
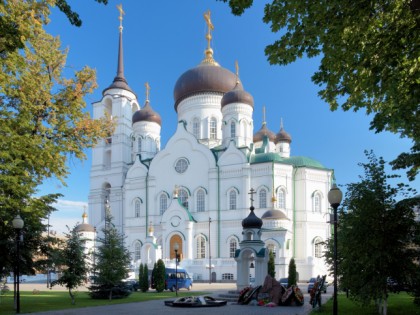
(237, 71)
(120, 8)
(209, 52)
(264, 122)
(176, 189)
(147, 90)
(151, 229)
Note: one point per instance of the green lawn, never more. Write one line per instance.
(398, 304)
(58, 300)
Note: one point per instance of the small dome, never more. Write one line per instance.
(274, 215)
(206, 77)
(237, 95)
(147, 114)
(84, 227)
(264, 131)
(252, 221)
(283, 136)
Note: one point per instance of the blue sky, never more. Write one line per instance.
(163, 39)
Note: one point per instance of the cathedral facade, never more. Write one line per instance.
(193, 194)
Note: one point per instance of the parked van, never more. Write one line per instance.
(180, 278)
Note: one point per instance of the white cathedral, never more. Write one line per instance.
(194, 193)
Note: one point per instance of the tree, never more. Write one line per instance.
(271, 266)
(144, 278)
(376, 235)
(292, 273)
(112, 260)
(369, 58)
(74, 261)
(159, 276)
(43, 122)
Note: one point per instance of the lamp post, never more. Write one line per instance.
(334, 198)
(209, 252)
(176, 247)
(17, 225)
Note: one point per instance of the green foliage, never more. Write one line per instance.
(370, 58)
(43, 124)
(159, 276)
(292, 273)
(112, 263)
(74, 260)
(376, 234)
(271, 266)
(144, 278)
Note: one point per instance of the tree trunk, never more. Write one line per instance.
(72, 297)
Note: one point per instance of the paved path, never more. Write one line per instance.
(157, 307)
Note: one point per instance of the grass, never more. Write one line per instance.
(59, 300)
(398, 304)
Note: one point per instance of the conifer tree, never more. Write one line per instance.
(159, 279)
(112, 263)
(292, 273)
(144, 280)
(271, 266)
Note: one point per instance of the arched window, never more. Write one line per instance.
(196, 128)
(183, 197)
(272, 248)
(232, 129)
(281, 199)
(213, 128)
(318, 247)
(163, 203)
(137, 209)
(263, 198)
(233, 246)
(316, 202)
(137, 251)
(201, 247)
(200, 201)
(232, 200)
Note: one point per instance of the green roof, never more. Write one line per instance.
(296, 161)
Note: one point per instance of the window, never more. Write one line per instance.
(227, 276)
(263, 198)
(137, 250)
(196, 128)
(137, 209)
(232, 200)
(318, 247)
(181, 165)
(232, 129)
(272, 248)
(200, 201)
(139, 145)
(201, 247)
(163, 203)
(316, 202)
(281, 199)
(213, 128)
(183, 197)
(233, 246)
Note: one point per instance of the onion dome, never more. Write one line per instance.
(274, 215)
(264, 131)
(206, 77)
(252, 221)
(147, 114)
(84, 227)
(237, 95)
(282, 135)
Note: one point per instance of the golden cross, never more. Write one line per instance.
(147, 90)
(210, 27)
(120, 8)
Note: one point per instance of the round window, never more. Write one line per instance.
(181, 165)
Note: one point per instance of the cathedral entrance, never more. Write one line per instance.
(176, 239)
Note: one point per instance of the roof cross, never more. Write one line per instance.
(252, 192)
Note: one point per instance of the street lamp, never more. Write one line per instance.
(334, 198)
(176, 247)
(17, 225)
(209, 253)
